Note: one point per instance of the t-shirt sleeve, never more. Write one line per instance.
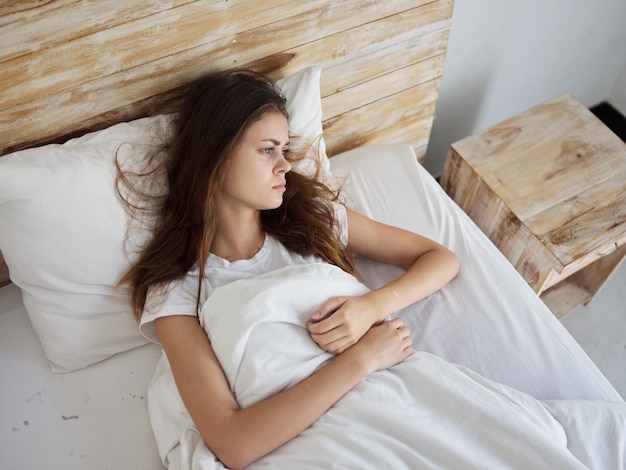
(179, 298)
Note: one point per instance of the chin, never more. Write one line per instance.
(271, 206)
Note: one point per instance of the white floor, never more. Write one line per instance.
(600, 329)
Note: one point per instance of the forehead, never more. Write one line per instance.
(272, 125)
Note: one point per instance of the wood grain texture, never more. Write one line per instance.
(582, 286)
(31, 26)
(389, 120)
(107, 65)
(503, 227)
(560, 170)
(70, 66)
(548, 188)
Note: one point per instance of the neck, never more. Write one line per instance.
(238, 238)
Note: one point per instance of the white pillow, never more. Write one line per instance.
(63, 231)
(304, 105)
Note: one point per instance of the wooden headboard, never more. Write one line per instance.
(70, 66)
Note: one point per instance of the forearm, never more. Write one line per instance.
(426, 275)
(255, 431)
(429, 265)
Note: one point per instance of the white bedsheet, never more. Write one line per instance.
(487, 319)
(94, 418)
(422, 413)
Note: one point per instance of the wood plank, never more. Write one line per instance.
(396, 56)
(565, 297)
(378, 88)
(386, 44)
(496, 220)
(384, 120)
(26, 29)
(459, 180)
(56, 125)
(584, 223)
(134, 43)
(594, 276)
(559, 146)
(582, 287)
(483, 206)
(161, 35)
(591, 257)
(116, 91)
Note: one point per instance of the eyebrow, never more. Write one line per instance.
(274, 141)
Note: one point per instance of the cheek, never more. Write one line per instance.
(242, 184)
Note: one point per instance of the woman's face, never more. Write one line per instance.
(256, 176)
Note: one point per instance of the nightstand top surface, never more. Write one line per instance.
(560, 170)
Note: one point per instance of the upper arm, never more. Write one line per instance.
(199, 377)
(367, 237)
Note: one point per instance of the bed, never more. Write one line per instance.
(94, 76)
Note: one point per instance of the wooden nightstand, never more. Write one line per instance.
(548, 187)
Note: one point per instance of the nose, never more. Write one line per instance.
(283, 165)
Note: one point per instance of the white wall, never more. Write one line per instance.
(507, 56)
(618, 94)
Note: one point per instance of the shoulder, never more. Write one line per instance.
(177, 298)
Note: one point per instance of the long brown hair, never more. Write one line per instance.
(213, 115)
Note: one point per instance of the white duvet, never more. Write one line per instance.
(422, 413)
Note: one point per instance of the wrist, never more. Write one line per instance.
(358, 360)
(382, 301)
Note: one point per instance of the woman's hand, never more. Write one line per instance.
(342, 321)
(385, 345)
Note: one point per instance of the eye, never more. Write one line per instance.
(268, 151)
(285, 152)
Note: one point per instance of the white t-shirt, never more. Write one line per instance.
(180, 297)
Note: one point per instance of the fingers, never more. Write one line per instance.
(400, 333)
(395, 323)
(342, 324)
(404, 334)
(328, 308)
(335, 341)
(323, 326)
(386, 345)
(324, 321)
(401, 339)
(336, 333)
(338, 346)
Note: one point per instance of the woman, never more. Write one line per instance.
(235, 214)
(235, 209)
